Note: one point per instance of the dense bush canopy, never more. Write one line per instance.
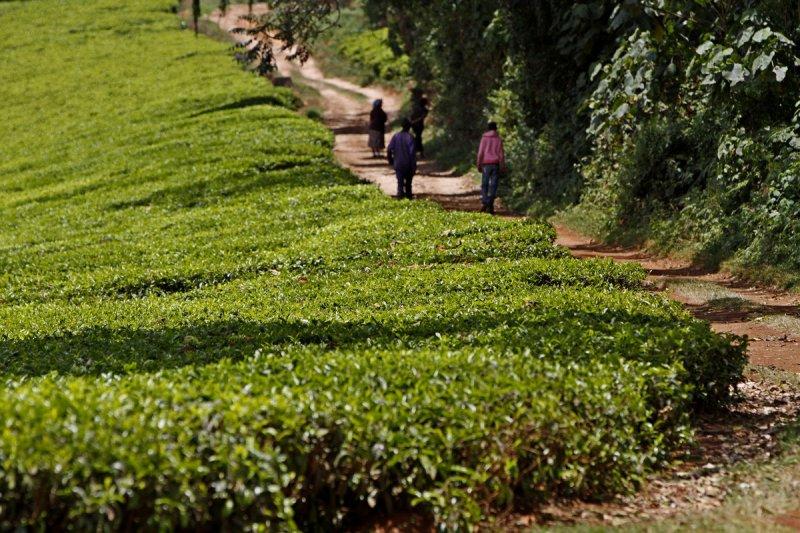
(206, 323)
(670, 120)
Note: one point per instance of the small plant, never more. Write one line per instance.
(314, 114)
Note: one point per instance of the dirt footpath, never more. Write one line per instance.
(770, 319)
(346, 112)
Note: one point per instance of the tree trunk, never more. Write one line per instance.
(196, 15)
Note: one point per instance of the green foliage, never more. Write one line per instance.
(534, 155)
(371, 52)
(207, 324)
(316, 438)
(692, 137)
(355, 48)
(670, 121)
(776, 221)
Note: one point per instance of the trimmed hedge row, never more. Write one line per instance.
(317, 439)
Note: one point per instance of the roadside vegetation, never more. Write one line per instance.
(357, 49)
(673, 123)
(206, 322)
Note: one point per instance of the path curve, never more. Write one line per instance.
(347, 107)
(770, 319)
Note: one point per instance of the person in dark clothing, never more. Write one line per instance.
(419, 112)
(491, 162)
(377, 128)
(403, 158)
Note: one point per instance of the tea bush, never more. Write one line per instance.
(318, 438)
(206, 323)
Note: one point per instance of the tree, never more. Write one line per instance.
(289, 26)
(196, 15)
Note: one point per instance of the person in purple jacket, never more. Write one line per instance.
(403, 157)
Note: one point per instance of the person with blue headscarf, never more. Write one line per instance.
(377, 128)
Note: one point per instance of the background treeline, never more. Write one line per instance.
(668, 121)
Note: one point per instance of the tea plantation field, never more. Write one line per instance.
(205, 323)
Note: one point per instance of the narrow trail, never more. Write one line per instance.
(770, 319)
(346, 112)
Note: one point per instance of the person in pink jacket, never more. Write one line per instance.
(491, 162)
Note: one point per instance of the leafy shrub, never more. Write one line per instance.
(370, 50)
(691, 126)
(356, 48)
(315, 439)
(535, 156)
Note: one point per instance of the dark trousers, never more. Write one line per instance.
(404, 178)
(418, 147)
(491, 174)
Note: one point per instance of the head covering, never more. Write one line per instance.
(377, 103)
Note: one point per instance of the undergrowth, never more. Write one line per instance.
(352, 48)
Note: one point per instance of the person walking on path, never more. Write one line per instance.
(419, 112)
(403, 158)
(377, 128)
(491, 162)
